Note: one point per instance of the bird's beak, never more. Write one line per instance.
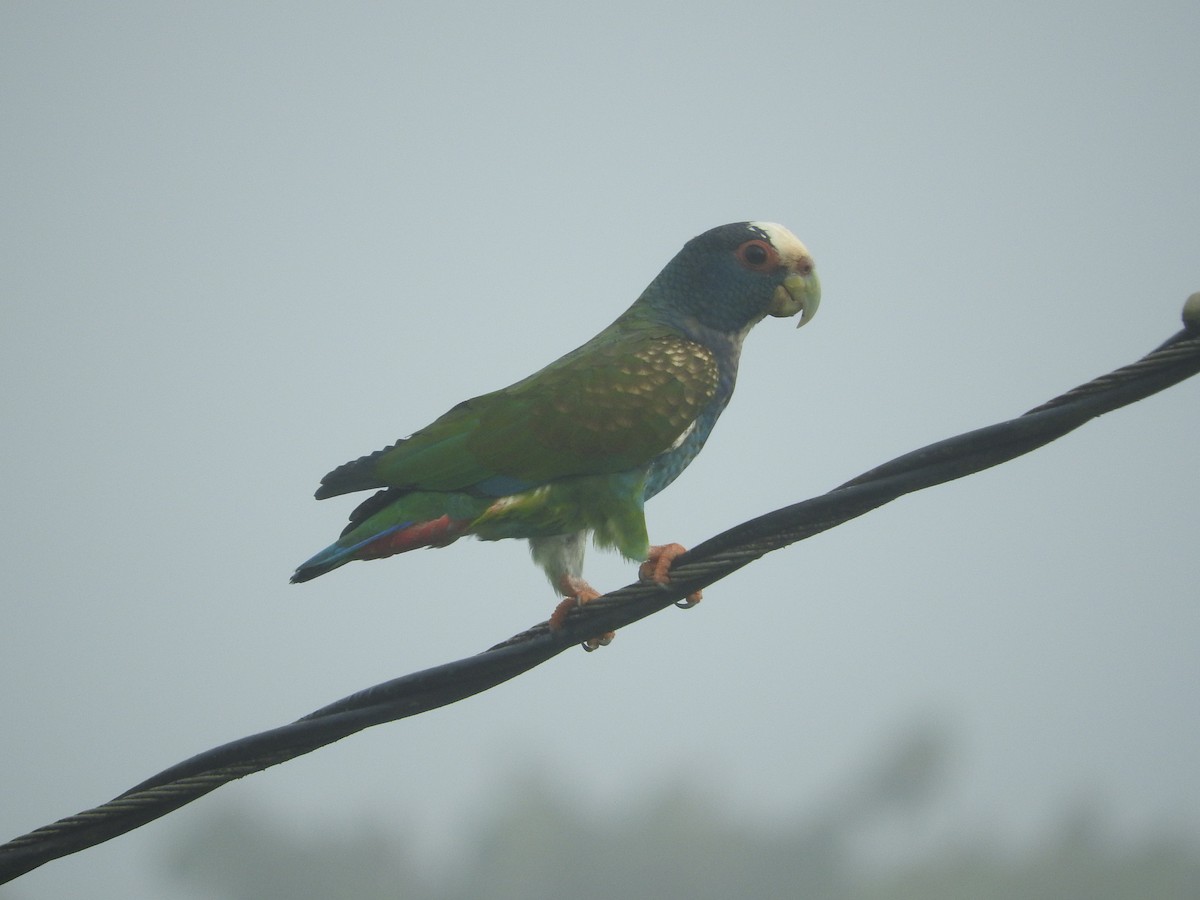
(799, 293)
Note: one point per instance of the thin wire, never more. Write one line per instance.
(1175, 360)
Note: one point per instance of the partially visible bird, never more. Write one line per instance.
(579, 446)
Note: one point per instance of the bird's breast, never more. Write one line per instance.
(666, 467)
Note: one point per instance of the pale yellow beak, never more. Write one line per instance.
(799, 293)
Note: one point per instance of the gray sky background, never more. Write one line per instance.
(245, 243)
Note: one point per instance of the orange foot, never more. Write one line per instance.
(657, 568)
(578, 592)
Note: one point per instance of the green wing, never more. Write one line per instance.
(610, 406)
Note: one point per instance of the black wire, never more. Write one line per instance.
(1175, 360)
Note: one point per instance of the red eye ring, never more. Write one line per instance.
(757, 255)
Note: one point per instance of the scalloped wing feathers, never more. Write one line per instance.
(609, 407)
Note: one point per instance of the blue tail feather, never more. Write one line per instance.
(337, 555)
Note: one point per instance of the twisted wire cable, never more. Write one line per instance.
(1175, 360)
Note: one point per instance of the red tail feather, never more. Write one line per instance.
(438, 533)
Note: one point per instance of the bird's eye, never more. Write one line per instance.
(757, 256)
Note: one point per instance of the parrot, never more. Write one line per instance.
(578, 447)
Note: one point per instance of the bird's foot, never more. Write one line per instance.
(657, 569)
(578, 592)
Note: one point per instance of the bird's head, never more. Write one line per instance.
(730, 277)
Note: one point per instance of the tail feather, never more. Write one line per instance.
(335, 555)
(391, 540)
(376, 503)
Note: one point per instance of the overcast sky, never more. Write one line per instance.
(244, 243)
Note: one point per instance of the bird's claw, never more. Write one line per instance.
(657, 568)
(578, 592)
(597, 642)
